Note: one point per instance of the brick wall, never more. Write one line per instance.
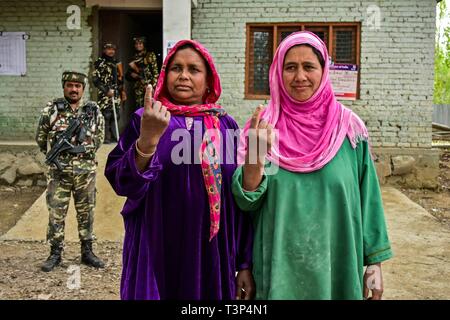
(51, 49)
(397, 61)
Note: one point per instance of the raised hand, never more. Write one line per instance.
(154, 122)
(260, 139)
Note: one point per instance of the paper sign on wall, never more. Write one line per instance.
(13, 53)
(169, 45)
(344, 78)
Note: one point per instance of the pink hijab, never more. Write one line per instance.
(309, 133)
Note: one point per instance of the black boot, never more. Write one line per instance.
(88, 257)
(107, 114)
(53, 260)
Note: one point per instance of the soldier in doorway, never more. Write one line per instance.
(142, 70)
(108, 79)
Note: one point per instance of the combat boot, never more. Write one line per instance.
(53, 260)
(107, 139)
(107, 114)
(88, 257)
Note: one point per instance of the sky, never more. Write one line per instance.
(446, 21)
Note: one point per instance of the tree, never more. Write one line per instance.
(442, 57)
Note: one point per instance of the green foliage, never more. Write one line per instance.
(442, 60)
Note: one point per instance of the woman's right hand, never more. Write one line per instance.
(259, 142)
(154, 122)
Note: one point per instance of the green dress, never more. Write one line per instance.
(314, 232)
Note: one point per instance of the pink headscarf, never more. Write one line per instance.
(310, 133)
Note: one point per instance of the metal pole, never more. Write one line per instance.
(115, 117)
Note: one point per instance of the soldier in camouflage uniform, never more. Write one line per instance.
(78, 172)
(143, 70)
(108, 79)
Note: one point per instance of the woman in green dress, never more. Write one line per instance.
(310, 186)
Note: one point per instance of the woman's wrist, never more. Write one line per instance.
(252, 176)
(145, 147)
(254, 169)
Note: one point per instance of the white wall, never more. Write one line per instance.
(176, 22)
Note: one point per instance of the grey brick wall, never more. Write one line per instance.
(397, 61)
(51, 49)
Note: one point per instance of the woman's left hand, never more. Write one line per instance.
(373, 280)
(245, 285)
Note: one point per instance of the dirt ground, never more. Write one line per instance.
(436, 202)
(20, 261)
(21, 278)
(15, 201)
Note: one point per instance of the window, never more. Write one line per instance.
(344, 45)
(261, 48)
(342, 40)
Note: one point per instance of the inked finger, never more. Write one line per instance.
(148, 99)
(149, 89)
(256, 116)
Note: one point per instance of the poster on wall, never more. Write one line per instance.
(344, 78)
(13, 53)
(169, 45)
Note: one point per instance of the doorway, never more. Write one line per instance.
(120, 27)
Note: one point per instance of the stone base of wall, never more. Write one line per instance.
(22, 165)
(410, 168)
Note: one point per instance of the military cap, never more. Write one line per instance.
(141, 39)
(74, 77)
(109, 45)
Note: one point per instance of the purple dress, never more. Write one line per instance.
(166, 251)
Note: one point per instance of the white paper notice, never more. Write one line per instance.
(13, 60)
(344, 78)
(169, 45)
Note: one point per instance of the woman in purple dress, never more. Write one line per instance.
(185, 238)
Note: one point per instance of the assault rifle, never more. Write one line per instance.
(138, 66)
(63, 142)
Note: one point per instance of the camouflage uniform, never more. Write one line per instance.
(105, 77)
(147, 69)
(79, 170)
